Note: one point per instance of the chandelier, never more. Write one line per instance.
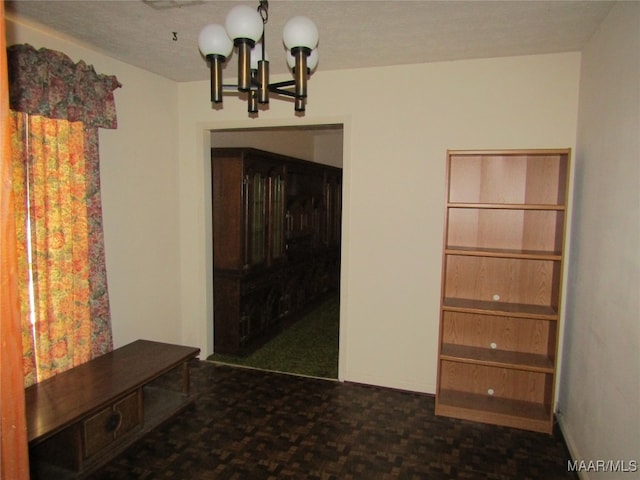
(244, 30)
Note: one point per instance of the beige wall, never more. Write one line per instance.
(327, 148)
(290, 142)
(600, 387)
(398, 123)
(139, 177)
(322, 146)
(394, 165)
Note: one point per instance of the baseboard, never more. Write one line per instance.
(392, 383)
(571, 445)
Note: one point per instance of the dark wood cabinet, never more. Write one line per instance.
(81, 419)
(276, 242)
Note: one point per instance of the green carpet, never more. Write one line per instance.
(307, 347)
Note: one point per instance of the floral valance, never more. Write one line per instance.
(48, 83)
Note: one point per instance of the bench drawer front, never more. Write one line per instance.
(109, 424)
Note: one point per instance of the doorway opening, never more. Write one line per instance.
(308, 343)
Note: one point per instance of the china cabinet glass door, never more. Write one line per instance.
(276, 243)
(255, 218)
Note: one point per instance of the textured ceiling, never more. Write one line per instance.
(353, 34)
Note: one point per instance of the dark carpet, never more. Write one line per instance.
(309, 346)
(251, 424)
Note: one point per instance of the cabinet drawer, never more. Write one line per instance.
(103, 428)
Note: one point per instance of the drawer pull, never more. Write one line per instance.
(113, 422)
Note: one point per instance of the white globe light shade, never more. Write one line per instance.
(256, 55)
(300, 32)
(312, 60)
(244, 22)
(213, 39)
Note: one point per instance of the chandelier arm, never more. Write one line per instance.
(299, 101)
(280, 91)
(286, 83)
(254, 85)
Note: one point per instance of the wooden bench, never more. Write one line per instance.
(84, 417)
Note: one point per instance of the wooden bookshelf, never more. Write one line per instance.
(503, 257)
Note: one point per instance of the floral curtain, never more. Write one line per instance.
(48, 83)
(18, 159)
(45, 84)
(54, 172)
